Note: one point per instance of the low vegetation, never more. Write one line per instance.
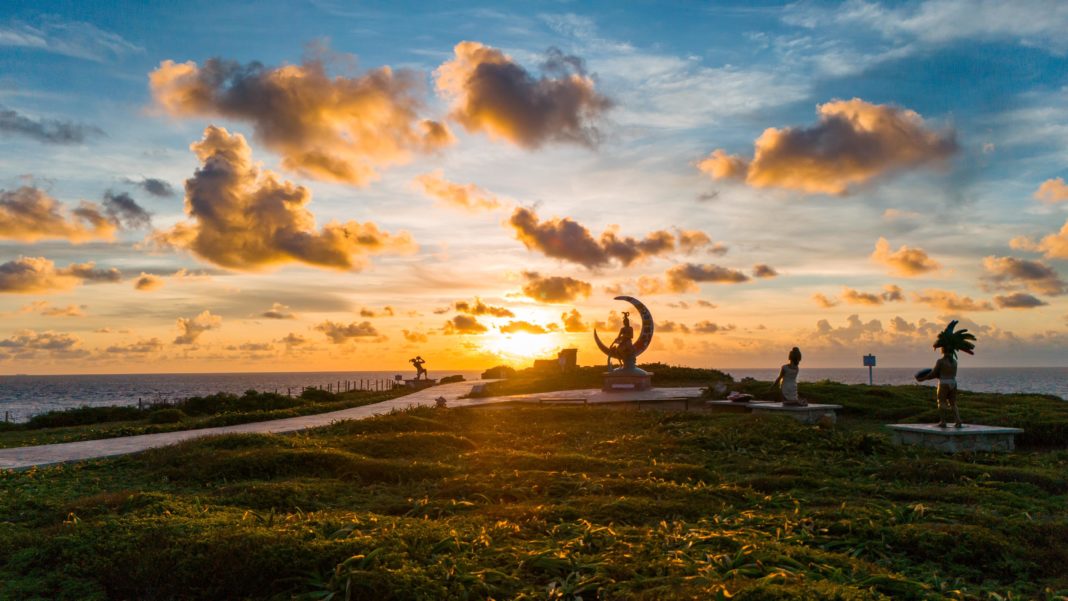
(535, 380)
(556, 502)
(220, 409)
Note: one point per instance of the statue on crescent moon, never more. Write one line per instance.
(624, 349)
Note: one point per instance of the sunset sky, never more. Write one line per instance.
(327, 185)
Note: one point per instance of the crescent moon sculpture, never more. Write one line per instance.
(626, 350)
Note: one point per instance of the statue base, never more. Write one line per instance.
(627, 380)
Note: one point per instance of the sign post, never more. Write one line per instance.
(869, 362)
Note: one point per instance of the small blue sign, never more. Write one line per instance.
(869, 360)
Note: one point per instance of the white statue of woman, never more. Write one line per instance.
(787, 380)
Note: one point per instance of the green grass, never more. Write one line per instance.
(222, 409)
(557, 502)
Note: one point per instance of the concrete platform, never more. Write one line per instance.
(970, 437)
(812, 413)
(592, 396)
(726, 406)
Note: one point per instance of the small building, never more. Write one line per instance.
(566, 360)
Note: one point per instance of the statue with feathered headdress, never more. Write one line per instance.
(945, 369)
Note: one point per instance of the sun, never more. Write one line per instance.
(521, 346)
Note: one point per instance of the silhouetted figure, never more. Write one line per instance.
(945, 370)
(787, 380)
(420, 371)
(623, 345)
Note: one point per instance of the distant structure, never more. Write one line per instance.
(565, 361)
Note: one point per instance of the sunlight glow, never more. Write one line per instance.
(522, 346)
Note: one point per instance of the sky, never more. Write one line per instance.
(326, 185)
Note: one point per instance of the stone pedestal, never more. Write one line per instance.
(420, 383)
(970, 437)
(627, 381)
(809, 414)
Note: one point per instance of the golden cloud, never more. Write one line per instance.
(761, 270)
(340, 129)
(463, 324)
(147, 282)
(823, 301)
(904, 261)
(479, 308)
(554, 289)
(27, 275)
(1053, 246)
(278, 311)
(29, 214)
(856, 297)
(523, 326)
(339, 333)
(48, 310)
(573, 321)
(568, 240)
(1006, 273)
(493, 94)
(685, 277)
(464, 196)
(190, 328)
(945, 300)
(244, 218)
(414, 337)
(853, 142)
(1052, 191)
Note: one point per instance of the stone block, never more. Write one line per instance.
(971, 437)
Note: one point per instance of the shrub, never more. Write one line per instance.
(451, 379)
(85, 415)
(170, 415)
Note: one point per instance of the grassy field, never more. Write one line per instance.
(222, 409)
(557, 503)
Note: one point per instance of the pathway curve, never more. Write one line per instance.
(24, 457)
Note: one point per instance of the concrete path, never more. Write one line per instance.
(24, 457)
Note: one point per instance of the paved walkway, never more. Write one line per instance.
(24, 457)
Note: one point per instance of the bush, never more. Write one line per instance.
(169, 415)
(451, 379)
(85, 415)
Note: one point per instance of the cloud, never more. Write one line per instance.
(568, 240)
(386, 311)
(27, 343)
(29, 214)
(124, 210)
(905, 261)
(764, 271)
(899, 215)
(1019, 300)
(493, 94)
(523, 326)
(27, 275)
(1052, 191)
(414, 337)
(293, 339)
(691, 241)
(554, 289)
(464, 196)
(156, 187)
(823, 301)
(463, 324)
(573, 321)
(1007, 273)
(707, 327)
(278, 311)
(46, 309)
(856, 297)
(947, 301)
(853, 142)
(339, 333)
(140, 347)
(685, 277)
(69, 38)
(480, 308)
(703, 303)
(148, 282)
(190, 328)
(340, 129)
(890, 293)
(48, 131)
(244, 218)
(1053, 246)
(670, 327)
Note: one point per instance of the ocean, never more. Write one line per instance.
(24, 396)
